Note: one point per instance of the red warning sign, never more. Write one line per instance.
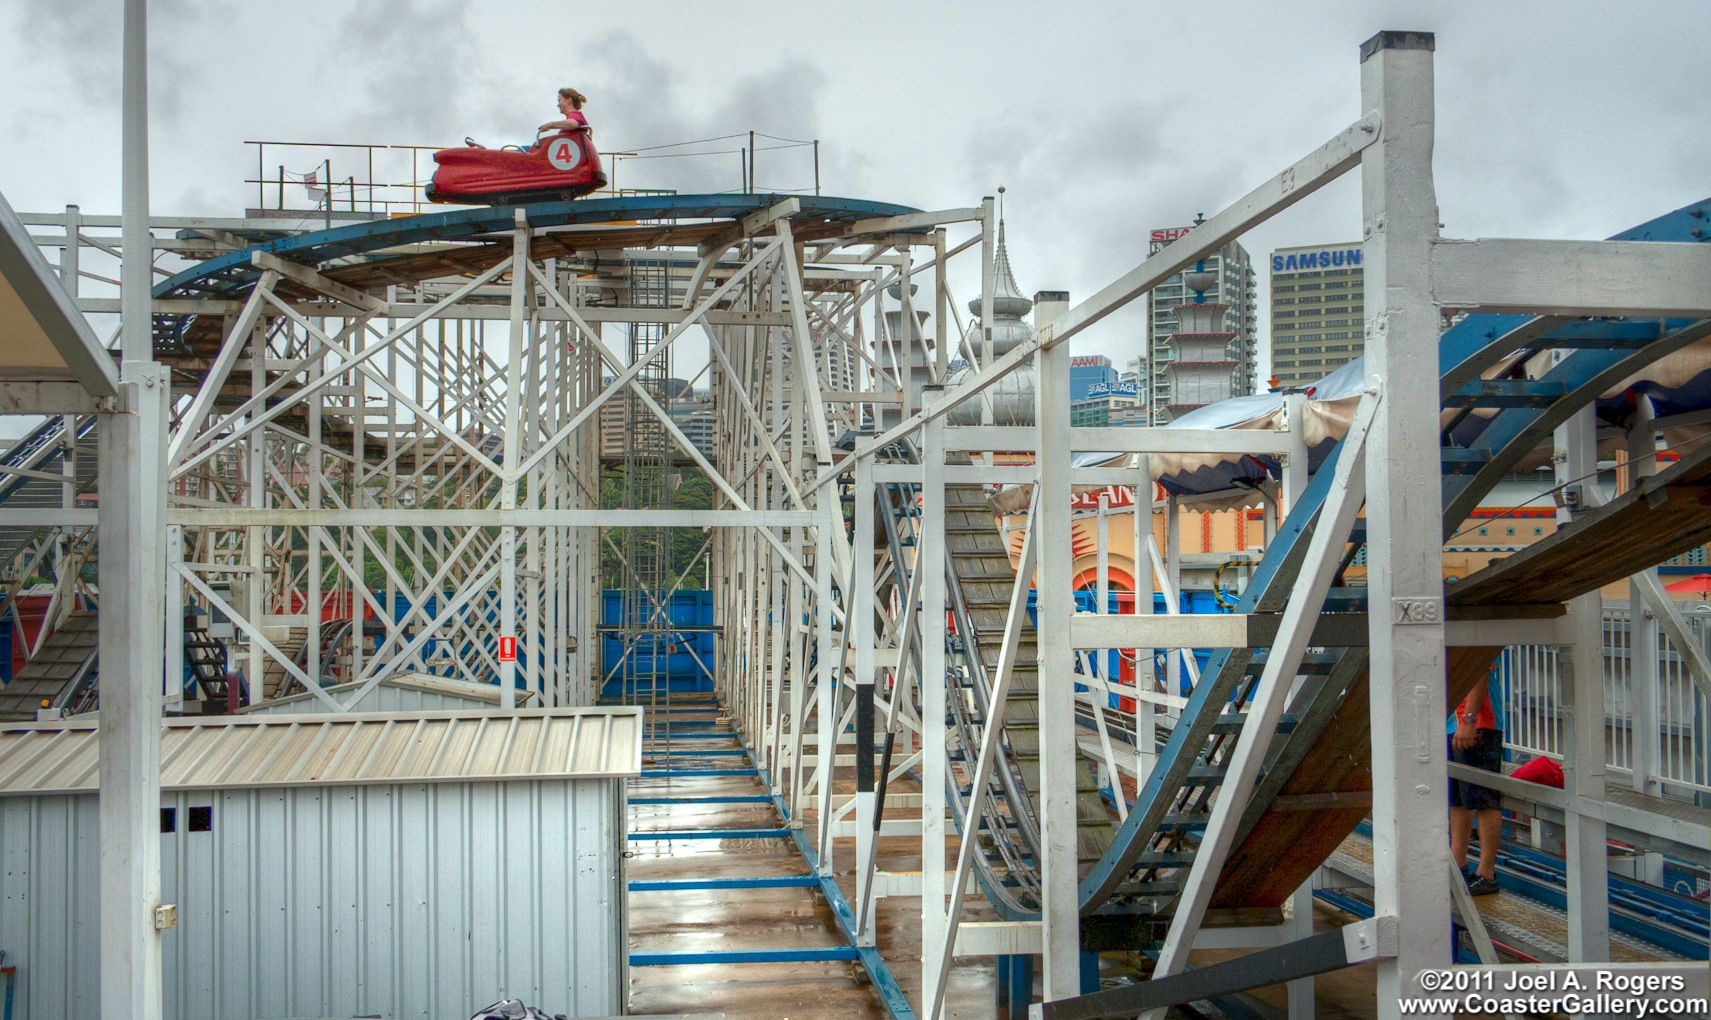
(507, 649)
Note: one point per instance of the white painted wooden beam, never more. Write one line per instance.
(1089, 630)
(304, 276)
(1507, 275)
(36, 396)
(915, 221)
(1123, 440)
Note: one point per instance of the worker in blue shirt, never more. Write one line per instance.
(1476, 740)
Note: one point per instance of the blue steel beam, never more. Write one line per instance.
(776, 882)
(827, 954)
(669, 834)
(690, 736)
(1514, 433)
(1507, 393)
(1469, 346)
(1607, 352)
(1480, 341)
(756, 799)
(693, 773)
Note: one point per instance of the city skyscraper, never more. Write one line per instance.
(1087, 371)
(1316, 311)
(1237, 287)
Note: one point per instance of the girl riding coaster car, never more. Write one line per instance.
(560, 165)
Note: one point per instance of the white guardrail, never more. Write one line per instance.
(1661, 727)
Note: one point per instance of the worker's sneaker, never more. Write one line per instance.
(1479, 885)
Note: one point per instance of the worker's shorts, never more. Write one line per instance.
(1486, 754)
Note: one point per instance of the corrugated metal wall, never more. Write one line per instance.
(50, 904)
(421, 900)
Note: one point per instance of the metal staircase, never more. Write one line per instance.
(57, 673)
(205, 659)
(1326, 749)
(43, 450)
(274, 675)
(979, 583)
(1320, 757)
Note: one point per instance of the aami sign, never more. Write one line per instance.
(1315, 260)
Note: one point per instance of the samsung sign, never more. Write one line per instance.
(1315, 260)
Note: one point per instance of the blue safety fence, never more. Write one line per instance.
(676, 660)
(439, 655)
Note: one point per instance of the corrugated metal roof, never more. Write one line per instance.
(426, 683)
(355, 748)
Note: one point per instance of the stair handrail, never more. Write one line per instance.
(86, 671)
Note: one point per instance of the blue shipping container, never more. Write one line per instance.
(680, 661)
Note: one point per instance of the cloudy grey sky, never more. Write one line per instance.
(1561, 119)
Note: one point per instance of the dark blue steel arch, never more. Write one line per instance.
(232, 272)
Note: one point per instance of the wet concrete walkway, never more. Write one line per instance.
(674, 795)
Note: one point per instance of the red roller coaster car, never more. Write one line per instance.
(562, 165)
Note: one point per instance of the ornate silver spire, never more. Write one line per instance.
(1007, 297)
(1012, 397)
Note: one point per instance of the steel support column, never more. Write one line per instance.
(1146, 742)
(929, 561)
(860, 625)
(1054, 608)
(1405, 557)
(132, 572)
(1300, 926)
(1643, 628)
(1583, 696)
(828, 655)
(513, 439)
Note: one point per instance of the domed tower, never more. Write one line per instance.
(1013, 395)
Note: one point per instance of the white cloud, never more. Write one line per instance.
(1102, 120)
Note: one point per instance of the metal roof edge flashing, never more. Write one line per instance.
(340, 749)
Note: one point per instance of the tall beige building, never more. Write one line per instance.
(1316, 311)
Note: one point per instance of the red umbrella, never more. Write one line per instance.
(1700, 583)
